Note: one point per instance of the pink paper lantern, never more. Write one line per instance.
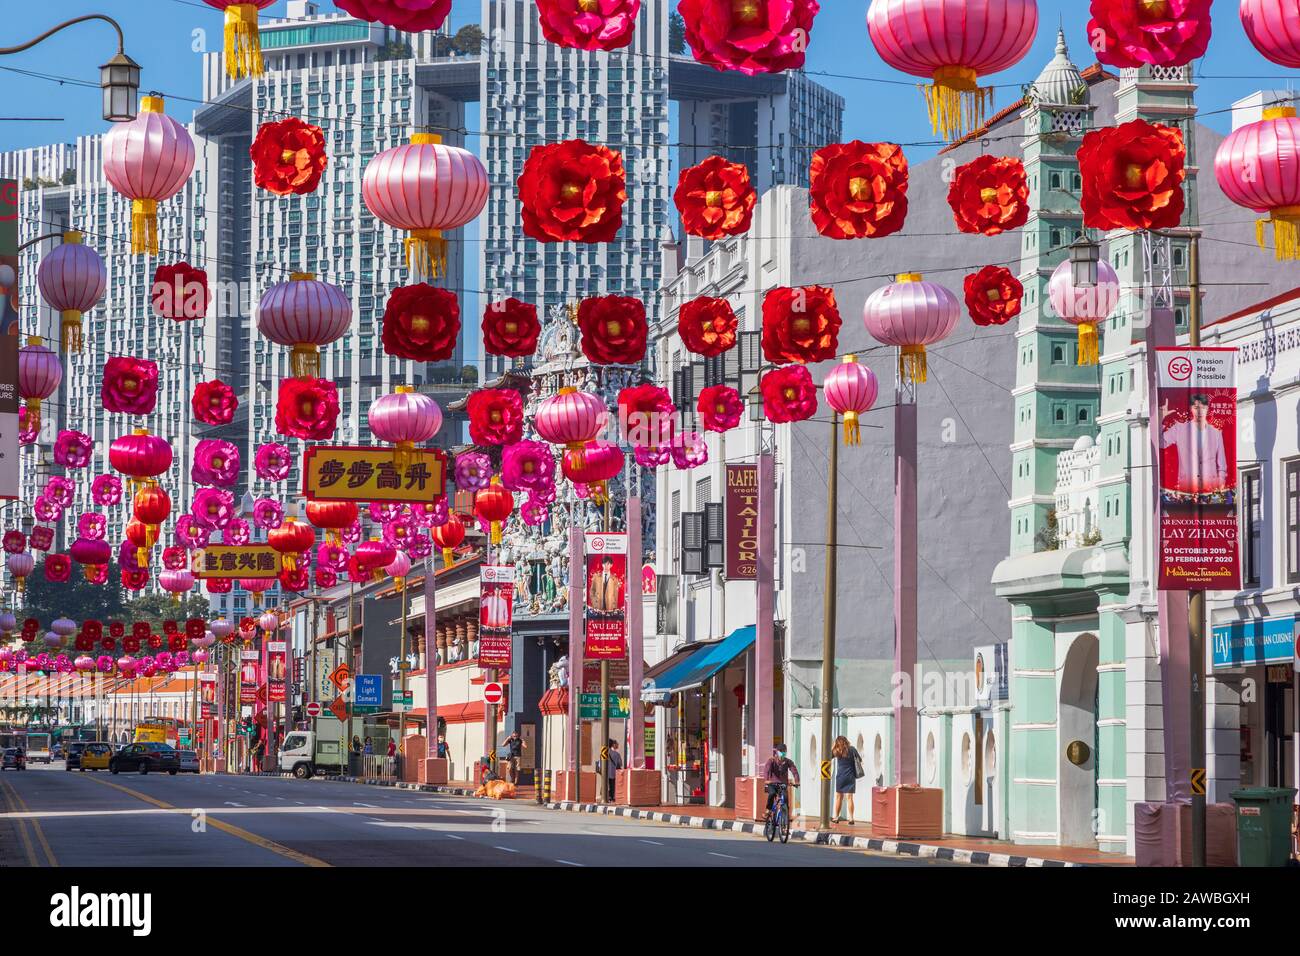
(425, 188)
(303, 314)
(1258, 166)
(1084, 306)
(39, 375)
(406, 419)
(1274, 27)
(72, 279)
(412, 16)
(911, 314)
(851, 389)
(148, 160)
(571, 418)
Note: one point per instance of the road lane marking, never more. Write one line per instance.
(506, 848)
(652, 842)
(229, 828)
(372, 806)
(36, 827)
(454, 837)
(570, 863)
(725, 856)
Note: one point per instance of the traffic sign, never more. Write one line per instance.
(339, 708)
(370, 690)
(493, 692)
(313, 708)
(826, 769)
(341, 677)
(1198, 781)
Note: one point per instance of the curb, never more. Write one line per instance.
(896, 847)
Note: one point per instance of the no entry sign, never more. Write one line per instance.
(493, 692)
(313, 709)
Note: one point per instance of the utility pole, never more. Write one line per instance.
(1196, 615)
(828, 627)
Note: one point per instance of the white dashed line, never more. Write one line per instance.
(724, 855)
(569, 863)
(652, 842)
(506, 848)
(454, 837)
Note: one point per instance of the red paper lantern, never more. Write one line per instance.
(291, 539)
(219, 585)
(448, 536)
(595, 467)
(332, 517)
(494, 505)
(140, 456)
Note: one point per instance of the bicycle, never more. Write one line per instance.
(778, 818)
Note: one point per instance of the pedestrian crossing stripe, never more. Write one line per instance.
(826, 769)
(1198, 781)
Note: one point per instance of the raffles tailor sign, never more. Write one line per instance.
(742, 522)
(8, 338)
(1198, 469)
(606, 597)
(496, 615)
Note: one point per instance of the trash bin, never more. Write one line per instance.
(1264, 825)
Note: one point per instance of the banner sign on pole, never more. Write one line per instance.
(249, 658)
(348, 473)
(1197, 397)
(496, 615)
(9, 344)
(276, 662)
(741, 502)
(208, 694)
(235, 561)
(606, 602)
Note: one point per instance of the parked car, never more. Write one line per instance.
(144, 757)
(72, 757)
(13, 759)
(95, 757)
(189, 761)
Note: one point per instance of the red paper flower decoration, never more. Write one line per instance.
(646, 415)
(990, 195)
(1130, 33)
(511, 328)
(789, 394)
(858, 190)
(993, 295)
(573, 192)
(307, 408)
(715, 198)
(496, 416)
(800, 325)
(58, 568)
(214, 402)
(707, 326)
(413, 16)
(1133, 176)
(752, 36)
(130, 386)
(288, 157)
(588, 24)
(421, 323)
(180, 292)
(614, 329)
(219, 585)
(720, 408)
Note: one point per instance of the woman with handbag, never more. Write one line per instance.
(848, 771)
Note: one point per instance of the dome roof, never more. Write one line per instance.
(1083, 443)
(1060, 83)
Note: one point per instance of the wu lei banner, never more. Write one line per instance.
(496, 615)
(345, 473)
(606, 600)
(1197, 395)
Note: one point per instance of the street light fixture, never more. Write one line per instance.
(1084, 255)
(119, 78)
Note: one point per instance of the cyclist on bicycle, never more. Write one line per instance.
(777, 774)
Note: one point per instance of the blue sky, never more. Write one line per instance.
(160, 35)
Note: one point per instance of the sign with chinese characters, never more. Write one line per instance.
(496, 615)
(741, 502)
(1197, 421)
(275, 667)
(345, 473)
(606, 599)
(249, 677)
(9, 338)
(235, 561)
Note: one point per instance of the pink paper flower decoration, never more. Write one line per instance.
(421, 514)
(72, 449)
(42, 538)
(383, 511)
(648, 457)
(216, 462)
(326, 578)
(130, 386)
(128, 557)
(272, 461)
(526, 465)
(419, 546)
(214, 402)
(352, 533)
(534, 513)
(92, 525)
(752, 36)
(190, 533)
(28, 428)
(60, 490)
(689, 450)
(439, 513)
(543, 496)
(236, 533)
(588, 24)
(331, 556)
(106, 490)
(721, 408)
(175, 558)
(213, 508)
(268, 514)
(473, 471)
(46, 509)
(398, 531)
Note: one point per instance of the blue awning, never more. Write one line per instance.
(699, 665)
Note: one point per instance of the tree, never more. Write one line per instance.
(676, 34)
(75, 598)
(395, 50)
(469, 375)
(468, 39)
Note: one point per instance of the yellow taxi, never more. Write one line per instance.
(95, 756)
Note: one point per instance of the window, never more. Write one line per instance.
(1293, 521)
(1252, 525)
(1058, 414)
(1082, 414)
(1058, 354)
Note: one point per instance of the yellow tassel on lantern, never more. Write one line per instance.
(144, 227)
(1089, 353)
(852, 430)
(496, 532)
(448, 557)
(403, 452)
(599, 492)
(70, 330)
(243, 43)
(288, 562)
(1286, 232)
(426, 254)
(21, 584)
(142, 557)
(911, 363)
(956, 103)
(304, 360)
(33, 413)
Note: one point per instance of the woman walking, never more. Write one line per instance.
(848, 770)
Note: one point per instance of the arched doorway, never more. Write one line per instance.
(1077, 742)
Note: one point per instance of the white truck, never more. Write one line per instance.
(306, 753)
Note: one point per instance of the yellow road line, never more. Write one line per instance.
(21, 825)
(224, 827)
(36, 828)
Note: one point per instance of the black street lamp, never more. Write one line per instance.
(1084, 254)
(119, 78)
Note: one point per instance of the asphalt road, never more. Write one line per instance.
(49, 817)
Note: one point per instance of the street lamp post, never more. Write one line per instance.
(119, 78)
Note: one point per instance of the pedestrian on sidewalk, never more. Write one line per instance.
(392, 748)
(259, 752)
(369, 749)
(612, 767)
(514, 750)
(356, 744)
(443, 749)
(848, 771)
